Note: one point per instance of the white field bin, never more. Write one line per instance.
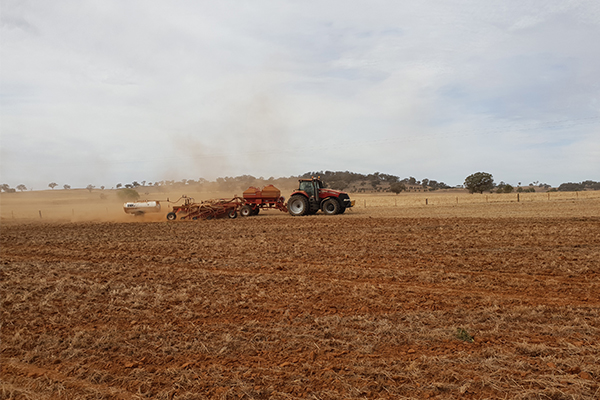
(141, 207)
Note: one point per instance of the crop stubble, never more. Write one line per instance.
(365, 305)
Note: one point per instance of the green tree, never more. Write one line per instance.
(397, 187)
(52, 185)
(479, 182)
(504, 188)
(66, 187)
(90, 187)
(338, 185)
(22, 187)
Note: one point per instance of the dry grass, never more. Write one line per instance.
(79, 205)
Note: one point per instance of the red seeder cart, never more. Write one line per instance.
(267, 198)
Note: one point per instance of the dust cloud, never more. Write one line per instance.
(72, 205)
(81, 205)
(250, 137)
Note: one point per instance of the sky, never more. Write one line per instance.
(114, 91)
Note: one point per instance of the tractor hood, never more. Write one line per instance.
(342, 197)
(330, 192)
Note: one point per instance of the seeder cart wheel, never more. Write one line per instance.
(232, 213)
(171, 216)
(246, 211)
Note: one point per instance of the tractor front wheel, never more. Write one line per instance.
(298, 205)
(171, 216)
(331, 207)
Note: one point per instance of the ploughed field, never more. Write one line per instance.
(370, 304)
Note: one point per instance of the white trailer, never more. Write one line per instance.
(141, 207)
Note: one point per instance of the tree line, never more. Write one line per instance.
(576, 187)
(480, 182)
(352, 181)
(339, 180)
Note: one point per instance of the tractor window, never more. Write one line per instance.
(307, 187)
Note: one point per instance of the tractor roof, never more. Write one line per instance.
(309, 179)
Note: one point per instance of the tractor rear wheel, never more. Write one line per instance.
(298, 205)
(171, 216)
(246, 211)
(331, 207)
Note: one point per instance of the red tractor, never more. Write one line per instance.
(312, 196)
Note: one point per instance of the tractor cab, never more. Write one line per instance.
(311, 187)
